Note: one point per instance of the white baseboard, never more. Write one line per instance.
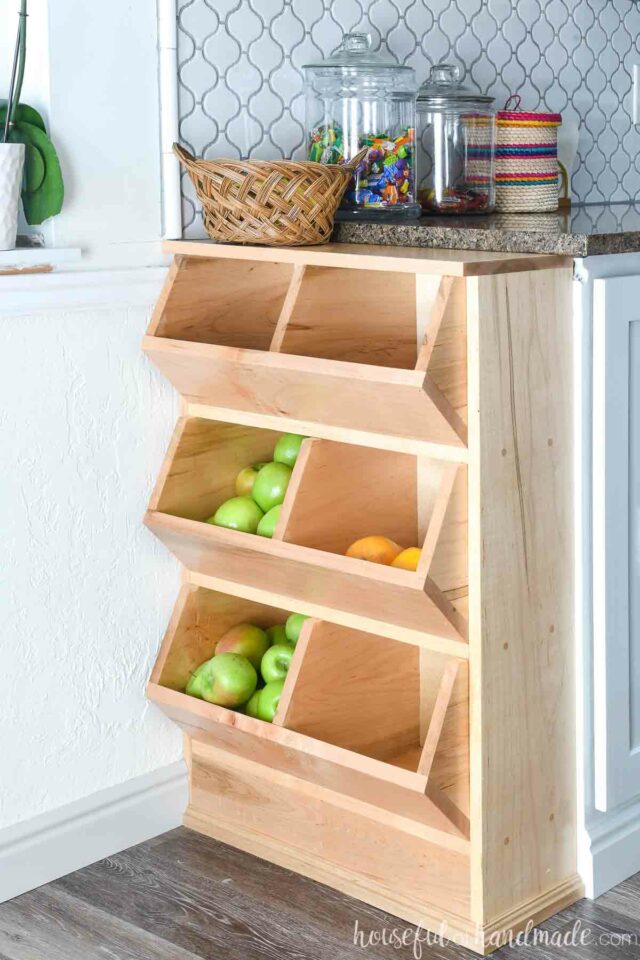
(50, 846)
(611, 853)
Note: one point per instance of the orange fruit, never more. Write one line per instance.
(376, 549)
(408, 559)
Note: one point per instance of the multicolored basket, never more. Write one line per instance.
(527, 169)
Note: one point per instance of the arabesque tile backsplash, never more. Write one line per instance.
(241, 79)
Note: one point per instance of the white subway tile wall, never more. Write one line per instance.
(241, 79)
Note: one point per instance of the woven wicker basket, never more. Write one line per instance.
(527, 161)
(272, 202)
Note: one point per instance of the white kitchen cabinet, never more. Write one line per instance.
(608, 550)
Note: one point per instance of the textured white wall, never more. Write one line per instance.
(85, 590)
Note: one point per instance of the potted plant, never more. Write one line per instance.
(28, 160)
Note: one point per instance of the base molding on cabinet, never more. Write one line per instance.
(531, 913)
(278, 817)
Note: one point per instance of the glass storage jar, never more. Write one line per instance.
(354, 99)
(455, 146)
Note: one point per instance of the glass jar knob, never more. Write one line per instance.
(445, 74)
(356, 42)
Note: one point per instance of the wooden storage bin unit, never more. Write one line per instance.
(422, 758)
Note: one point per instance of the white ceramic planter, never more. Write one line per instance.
(11, 164)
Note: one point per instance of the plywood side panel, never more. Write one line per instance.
(523, 818)
(235, 304)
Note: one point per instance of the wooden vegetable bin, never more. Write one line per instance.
(318, 345)
(351, 700)
(423, 755)
(338, 493)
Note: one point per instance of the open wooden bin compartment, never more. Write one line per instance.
(338, 493)
(382, 708)
(372, 351)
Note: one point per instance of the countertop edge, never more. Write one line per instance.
(497, 240)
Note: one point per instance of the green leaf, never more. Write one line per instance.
(23, 112)
(46, 200)
(34, 165)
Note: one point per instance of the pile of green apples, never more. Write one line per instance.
(260, 491)
(248, 669)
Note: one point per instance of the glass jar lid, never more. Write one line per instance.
(355, 54)
(443, 87)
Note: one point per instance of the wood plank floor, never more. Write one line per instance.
(185, 897)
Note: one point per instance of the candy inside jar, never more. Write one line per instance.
(455, 145)
(358, 99)
(385, 177)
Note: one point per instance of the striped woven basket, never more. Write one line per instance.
(527, 160)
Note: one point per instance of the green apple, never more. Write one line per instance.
(239, 513)
(276, 662)
(251, 706)
(267, 526)
(293, 627)
(194, 683)
(287, 448)
(271, 485)
(246, 479)
(247, 640)
(276, 634)
(228, 680)
(269, 699)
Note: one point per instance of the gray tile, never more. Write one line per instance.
(574, 56)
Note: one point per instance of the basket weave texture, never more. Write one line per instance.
(272, 202)
(527, 161)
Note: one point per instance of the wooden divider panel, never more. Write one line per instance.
(442, 338)
(445, 754)
(447, 562)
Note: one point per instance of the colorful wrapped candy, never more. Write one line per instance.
(386, 175)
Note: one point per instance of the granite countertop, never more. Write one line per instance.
(580, 231)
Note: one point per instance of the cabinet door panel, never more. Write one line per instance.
(616, 540)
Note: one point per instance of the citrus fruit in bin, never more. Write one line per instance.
(408, 559)
(375, 549)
